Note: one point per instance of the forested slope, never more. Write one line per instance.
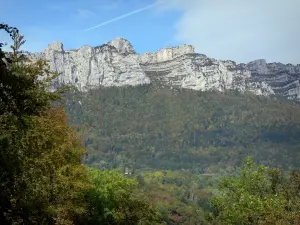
(154, 127)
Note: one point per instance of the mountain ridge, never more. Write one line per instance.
(116, 63)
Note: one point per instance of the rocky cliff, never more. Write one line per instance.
(282, 78)
(117, 64)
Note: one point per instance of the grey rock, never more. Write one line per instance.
(117, 64)
(282, 78)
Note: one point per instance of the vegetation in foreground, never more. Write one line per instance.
(43, 180)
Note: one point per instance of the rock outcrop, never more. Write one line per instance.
(114, 63)
(117, 64)
(282, 78)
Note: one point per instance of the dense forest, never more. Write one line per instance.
(153, 127)
(141, 155)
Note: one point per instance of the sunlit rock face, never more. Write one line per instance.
(112, 64)
(117, 64)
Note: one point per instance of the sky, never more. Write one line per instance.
(239, 30)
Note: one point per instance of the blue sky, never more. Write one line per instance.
(43, 22)
(239, 30)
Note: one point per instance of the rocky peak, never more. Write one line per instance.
(166, 54)
(258, 66)
(85, 51)
(55, 46)
(122, 45)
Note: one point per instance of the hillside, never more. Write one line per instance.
(151, 127)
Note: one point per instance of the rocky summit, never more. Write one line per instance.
(117, 64)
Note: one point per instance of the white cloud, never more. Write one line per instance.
(240, 30)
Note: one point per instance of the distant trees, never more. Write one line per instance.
(179, 195)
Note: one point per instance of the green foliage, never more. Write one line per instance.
(150, 127)
(257, 196)
(56, 180)
(179, 196)
(42, 179)
(201, 135)
(23, 89)
(114, 199)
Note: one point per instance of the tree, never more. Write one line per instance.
(114, 199)
(42, 180)
(56, 180)
(258, 196)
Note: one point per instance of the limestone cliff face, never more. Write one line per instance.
(282, 78)
(116, 64)
(112, 64)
